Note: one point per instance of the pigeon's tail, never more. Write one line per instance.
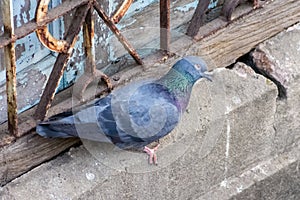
(58, 126)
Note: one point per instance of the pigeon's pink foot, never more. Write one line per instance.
(256, 4)
(152, 154)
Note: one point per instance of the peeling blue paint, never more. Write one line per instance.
(187, 7)
(138, 6)
(193, 5)
(120, 26)
(112, 5)
(213, 4)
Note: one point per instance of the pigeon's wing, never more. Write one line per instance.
(143, 114)
(87, 123)
(132, 116)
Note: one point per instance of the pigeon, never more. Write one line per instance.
(135, 115)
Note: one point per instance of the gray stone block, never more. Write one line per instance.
(279, 59)
(273, 178)
(283, 185)
(227, 128)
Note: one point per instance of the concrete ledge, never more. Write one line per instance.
(284, 184)
(281, 62)
(233, 132)
(274, 178)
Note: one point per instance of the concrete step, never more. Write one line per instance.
(227, 128)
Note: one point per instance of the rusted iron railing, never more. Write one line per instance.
(165, 25)
(90, 71)
(84, 17)
(198, 18)
(10, 65)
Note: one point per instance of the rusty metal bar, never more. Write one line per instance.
(29, 27)
(230, 5)
(228, 8)
(198, 18)
(118, 34)
(43, 33)
(165, 35)
(117, 16)
(61, 62)
(89, 47)
(10, 65)
(90, 71)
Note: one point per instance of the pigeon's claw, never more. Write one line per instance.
(152, 154)
(256, 4)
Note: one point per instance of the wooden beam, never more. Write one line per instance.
(223, 47)
(29, 152)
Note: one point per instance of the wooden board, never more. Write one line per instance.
(223, 48)
(239, 37)
(28, 152)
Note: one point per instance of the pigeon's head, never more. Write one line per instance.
(192, 66)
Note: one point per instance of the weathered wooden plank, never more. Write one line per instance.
(223, 47)
(29, 151)
(239, 37)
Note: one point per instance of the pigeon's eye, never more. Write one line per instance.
(197, 66)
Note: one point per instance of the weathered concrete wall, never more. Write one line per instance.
(233, 131)
(281, 62)
(274, 178)
(279, 177)
(283, 184)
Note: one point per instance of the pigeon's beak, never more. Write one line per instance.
(208, 77)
